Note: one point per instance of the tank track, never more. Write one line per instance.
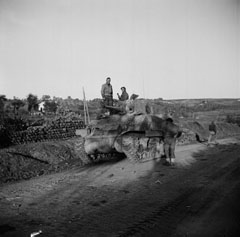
(105, 157)
(137, 147)
(80, 151)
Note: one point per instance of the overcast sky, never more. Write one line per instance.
(171, 49)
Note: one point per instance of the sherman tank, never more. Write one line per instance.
(130, 129)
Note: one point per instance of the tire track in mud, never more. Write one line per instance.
(167, 215)
(79, 209)
(160, 215)
(166, 218)
(163, 217)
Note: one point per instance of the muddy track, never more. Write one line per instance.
(165, 218)
(126, 199)
(160, 215)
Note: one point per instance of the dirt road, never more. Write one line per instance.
(197, 197)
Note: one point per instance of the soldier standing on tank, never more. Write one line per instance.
(107, 93)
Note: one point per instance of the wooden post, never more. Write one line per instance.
(86, 113)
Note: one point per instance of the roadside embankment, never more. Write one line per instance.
(194, 129)
(25, 161)
(34, 159)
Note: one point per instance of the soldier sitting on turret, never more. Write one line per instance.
(124, 96)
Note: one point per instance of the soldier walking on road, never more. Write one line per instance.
(212, 139)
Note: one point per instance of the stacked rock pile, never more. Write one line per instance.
(60, 128)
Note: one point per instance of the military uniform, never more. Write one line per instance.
(212, 133)
(124, 96)
(107, 94)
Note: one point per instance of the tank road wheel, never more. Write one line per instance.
(100, 157)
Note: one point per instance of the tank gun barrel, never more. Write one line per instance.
(114, 109)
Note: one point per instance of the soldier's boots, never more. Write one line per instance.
(170, 161)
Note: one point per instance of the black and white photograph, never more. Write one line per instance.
(119, 118)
